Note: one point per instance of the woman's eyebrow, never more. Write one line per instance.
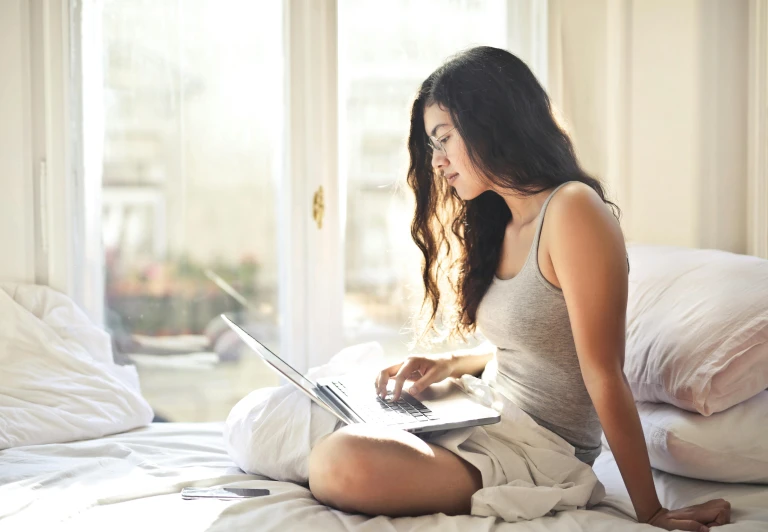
(434, 129)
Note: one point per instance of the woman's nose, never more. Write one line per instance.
(438, 159)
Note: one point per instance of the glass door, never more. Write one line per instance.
(191, 101)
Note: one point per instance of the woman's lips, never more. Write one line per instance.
(451, 178)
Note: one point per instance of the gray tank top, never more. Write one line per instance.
(536, 366)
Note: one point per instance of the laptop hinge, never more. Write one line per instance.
(338, 403)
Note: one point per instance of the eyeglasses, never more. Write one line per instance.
(436, 144)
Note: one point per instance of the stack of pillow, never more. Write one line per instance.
(697, 360)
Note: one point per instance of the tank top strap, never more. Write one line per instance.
(537, 236)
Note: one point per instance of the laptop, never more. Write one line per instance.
(353, 399)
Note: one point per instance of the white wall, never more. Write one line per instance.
(17, 257)
(663, 122)
(655, 94)
(757, 151)
(723, 123)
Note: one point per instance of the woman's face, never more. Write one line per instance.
(454, 164)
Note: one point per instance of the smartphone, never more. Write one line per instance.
(222, 493)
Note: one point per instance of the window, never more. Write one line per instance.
(191, 99)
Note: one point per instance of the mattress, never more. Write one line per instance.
(131, 481)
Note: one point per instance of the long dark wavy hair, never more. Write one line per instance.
(514, 141)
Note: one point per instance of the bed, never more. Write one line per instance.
(131, 481)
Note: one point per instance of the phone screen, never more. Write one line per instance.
(222, 493)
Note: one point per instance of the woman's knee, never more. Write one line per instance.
(369, 469)
(338, 468)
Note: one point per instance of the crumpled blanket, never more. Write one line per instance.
(58, 382)
(527, 470)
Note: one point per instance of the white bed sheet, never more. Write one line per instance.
(131, 481)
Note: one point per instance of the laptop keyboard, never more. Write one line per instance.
(403, 411)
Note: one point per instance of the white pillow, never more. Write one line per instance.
(730, 446)
(697, 327)
(58, 382)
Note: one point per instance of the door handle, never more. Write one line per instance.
(318, 207)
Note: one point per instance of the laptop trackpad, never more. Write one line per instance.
(441, 391)
(448, 401)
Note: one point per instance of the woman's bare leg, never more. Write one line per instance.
(383, 471)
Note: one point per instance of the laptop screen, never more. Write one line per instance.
(282, 367)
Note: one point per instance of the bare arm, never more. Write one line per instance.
(589, 257)
(428, 369)
(472, 361)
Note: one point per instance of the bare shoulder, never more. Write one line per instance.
(584, 236)
(577, 211)
(577, 198)
(580, 229)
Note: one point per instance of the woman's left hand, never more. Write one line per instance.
(699, 517)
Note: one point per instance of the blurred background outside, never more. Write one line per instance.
(192, 108)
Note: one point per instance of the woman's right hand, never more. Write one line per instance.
(424, 369)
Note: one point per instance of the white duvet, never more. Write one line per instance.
(58, 381)
(131, 482)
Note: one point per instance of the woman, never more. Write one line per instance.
(488, 161)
